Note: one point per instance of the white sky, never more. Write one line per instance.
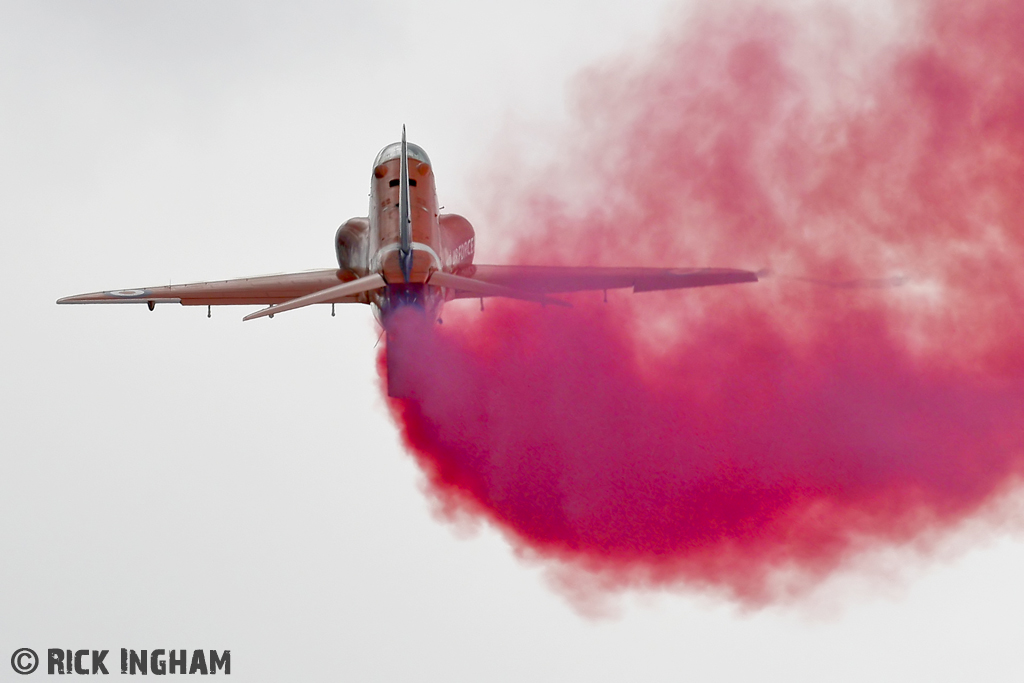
(168, 481)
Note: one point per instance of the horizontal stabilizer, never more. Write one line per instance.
(480, 288)
(363, 284)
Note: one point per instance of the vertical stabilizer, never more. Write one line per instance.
(404, 217)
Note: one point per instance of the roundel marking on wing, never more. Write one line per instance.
(128, 292)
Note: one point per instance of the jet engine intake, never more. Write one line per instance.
(351, 243)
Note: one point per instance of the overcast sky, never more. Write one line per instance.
(170, 481)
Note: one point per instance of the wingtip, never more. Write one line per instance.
(258, 314)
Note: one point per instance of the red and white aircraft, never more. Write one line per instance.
(407, 253)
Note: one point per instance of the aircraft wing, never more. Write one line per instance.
(265, 290)
(559, 279)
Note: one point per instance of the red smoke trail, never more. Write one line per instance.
(724, 437)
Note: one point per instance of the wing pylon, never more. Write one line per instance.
(346, 289)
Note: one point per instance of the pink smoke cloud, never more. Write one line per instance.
(718, 437)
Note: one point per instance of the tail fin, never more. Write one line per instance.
(404, 218)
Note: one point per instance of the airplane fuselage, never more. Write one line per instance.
(373, 244)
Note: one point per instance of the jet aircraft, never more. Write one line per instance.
(407, 253)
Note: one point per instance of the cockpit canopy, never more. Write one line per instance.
(394, 151)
